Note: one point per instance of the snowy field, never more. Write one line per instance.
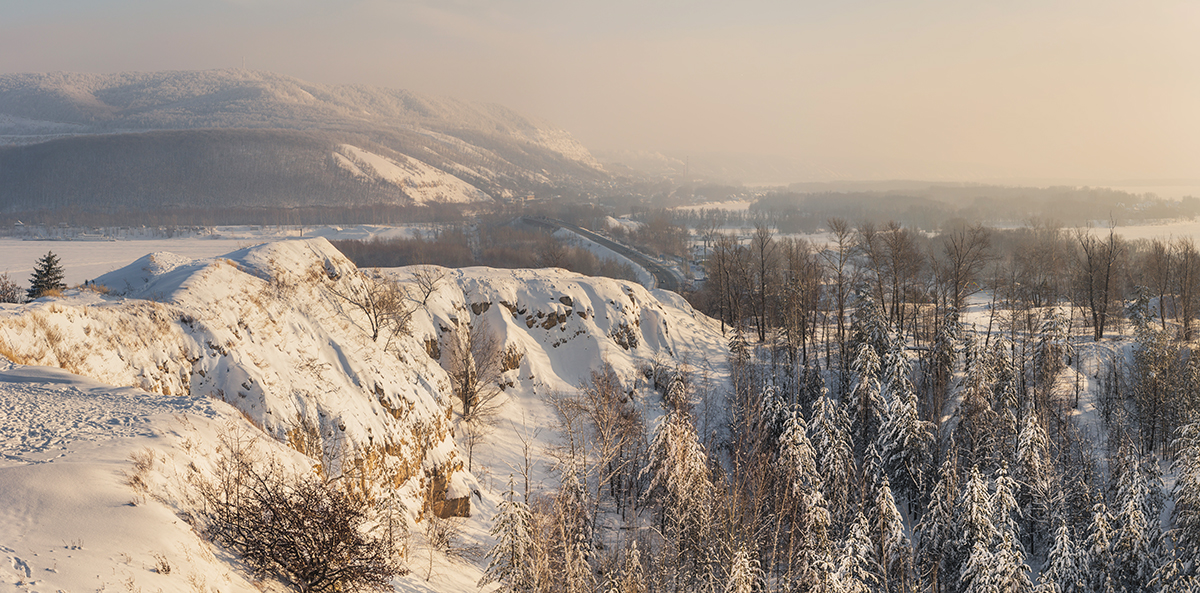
(86, 260)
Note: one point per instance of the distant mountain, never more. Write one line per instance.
(247, 139)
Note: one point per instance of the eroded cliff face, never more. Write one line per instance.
(269, 330)
(264, 330)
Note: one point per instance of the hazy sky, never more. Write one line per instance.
(1045, 89)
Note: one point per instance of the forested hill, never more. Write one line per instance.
(245, 138)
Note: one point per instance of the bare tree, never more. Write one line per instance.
(427, 279)
(764, 250)
(473, 433)
(1186, 278)
(382, 300)
(966, 253)
(1098, 269)
(905, 264)
(841, 271)
(306, 531)
(474, 361)
(728, 273)
(801, 296)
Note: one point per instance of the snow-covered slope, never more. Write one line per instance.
(73, 103)
(257, 341)
(235, 139)
(420, 182)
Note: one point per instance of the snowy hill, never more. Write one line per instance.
(187, 139)
(259, 343)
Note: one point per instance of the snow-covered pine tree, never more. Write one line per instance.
(868, 325)
(858, 570)
(936, 535)
(1173, 575)
(1005, 394)
(1132, 546)
(574, 534)
(1032, 450)
(511, 558)
(1062, 572)
(905, 441)
(47, 276)
(1011, 573)
(891, 545)
(680, 481)
(815, 558)
(1004, 501)
(633, 577)
(866, 398)
(943, 357)
(822, 578)
(797, 456)
(1097, 554)
(978, 571)
(1037, 487)
(745, 575)
(977, 530)
(831, 441)
(1186, 514)
(976, 432)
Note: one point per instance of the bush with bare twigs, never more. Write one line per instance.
(308, 532)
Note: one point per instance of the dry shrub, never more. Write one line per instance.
(511, 359)
(307, 532)
(96, 288)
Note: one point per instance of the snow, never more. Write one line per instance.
(86, 260)
(622, 223)
(732, 205)
(421, 182)
(644, 277)
(68, 519)
(184, 349)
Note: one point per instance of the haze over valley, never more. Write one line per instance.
(637, 297)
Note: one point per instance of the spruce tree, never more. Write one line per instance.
(892, 546)
(1062, 572)
(866, 398)
(511, 558)
(47, 276)
(1097, 551)
(1186, 514)
(936, 531)
(831, 440)
(1133, 554)
(859, 570)
(745, 576)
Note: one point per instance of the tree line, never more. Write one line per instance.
(874, 442)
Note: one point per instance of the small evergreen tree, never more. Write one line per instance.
(9, 291)
(866, 398)
(1097, 552)
(511, 558)
(937, 534)
(859, 570)
(47, 276)
(1062, 572)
